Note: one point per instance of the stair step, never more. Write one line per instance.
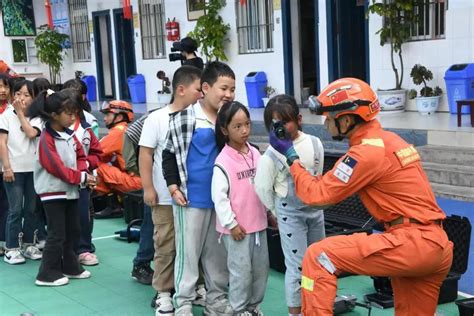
(450, 174)
(453, 192)
(447, 155)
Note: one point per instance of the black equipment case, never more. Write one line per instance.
(345, 218)
(133, 205)
(458, 230)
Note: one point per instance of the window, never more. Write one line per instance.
(24, 51)
(431, 22)
(152, 24)
(254, 25)
(80, 38)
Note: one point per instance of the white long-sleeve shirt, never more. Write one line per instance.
(271, 181)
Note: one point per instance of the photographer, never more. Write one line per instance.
(187, 46)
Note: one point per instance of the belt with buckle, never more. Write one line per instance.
(402, 219)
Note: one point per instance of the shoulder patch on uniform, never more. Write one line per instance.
(345, 168)
(407, 155)
(377, 142)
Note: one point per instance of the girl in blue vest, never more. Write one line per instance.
(299, 225)
(242, 218)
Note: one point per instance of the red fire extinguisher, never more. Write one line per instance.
(172, 30)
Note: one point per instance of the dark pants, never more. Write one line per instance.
(63, 235)
(22, 216)
(146, 248)
(85, 241)
(3, 209)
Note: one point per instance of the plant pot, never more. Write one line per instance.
(265, 101)
(164, 98)
(427, 105)
(392, 100)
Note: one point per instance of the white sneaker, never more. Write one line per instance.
(84, 275)
(32, 252)
(201, 293)
(164, 305)
(246, 313)
(58, 282)
(185, 310)
(13, 256)
(40, 244)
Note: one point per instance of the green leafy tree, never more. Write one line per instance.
(210, 31)
(50, 47)
(399, 17)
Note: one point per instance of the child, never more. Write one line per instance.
(4, 101)
(186, 90)
(300, 225)
(59, 170)
(18, 140)
(83, 131)
(242, 219)
(188, 161)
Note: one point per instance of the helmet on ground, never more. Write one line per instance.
(118, 107)
(346, 96)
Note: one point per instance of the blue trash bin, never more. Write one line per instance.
(255, 83)
(459, 85)
(91, 87)
(136, 86)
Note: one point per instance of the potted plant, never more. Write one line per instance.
(50, 49)
(210, 31)
(164, 95)
(398, 18)
(428, 101)
(269, 92)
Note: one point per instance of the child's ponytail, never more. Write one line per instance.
(49, 102)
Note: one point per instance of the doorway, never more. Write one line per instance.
(125, 48)
(104, 54)
(347, 39)
(308, 12)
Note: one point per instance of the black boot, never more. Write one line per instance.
(113, 209)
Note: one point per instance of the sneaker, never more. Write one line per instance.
(88, 259)
(13, 256)
(84, 275)
(164, 305)
(200, 299)
(246, 313)
(256, 312)
(33, 253)
(185, 310)
(219, 308)
(58, 282)
(143, 273)
(153, 301)
(40, 244)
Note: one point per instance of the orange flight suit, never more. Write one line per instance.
(111, 173)
(416, 254)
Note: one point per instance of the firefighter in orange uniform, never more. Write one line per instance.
(414, 251)
(112, 176)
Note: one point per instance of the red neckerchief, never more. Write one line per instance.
(3, 107)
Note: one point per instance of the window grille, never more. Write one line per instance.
(80, 38)
(254, 25)
(152, 24)
(431, 22)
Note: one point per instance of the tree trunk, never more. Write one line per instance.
(399, 84)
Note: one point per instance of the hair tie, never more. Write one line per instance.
(49, 92)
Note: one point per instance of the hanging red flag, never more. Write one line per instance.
(127, 10)
(47, 5)
(243, 2)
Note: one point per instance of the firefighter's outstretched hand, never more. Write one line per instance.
(284, 147)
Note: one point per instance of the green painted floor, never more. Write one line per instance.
(111, 290)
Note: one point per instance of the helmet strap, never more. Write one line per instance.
(109, 126)
(341, 135)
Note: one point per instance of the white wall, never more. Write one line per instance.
(270, 63)
(323, 46)
(436, 55)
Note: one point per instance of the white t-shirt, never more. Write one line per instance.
(21, 149)
(154, 132)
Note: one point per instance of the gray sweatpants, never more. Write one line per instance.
(248, 266)
(197, 240)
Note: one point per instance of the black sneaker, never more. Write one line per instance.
(153, 301)
(143, 273)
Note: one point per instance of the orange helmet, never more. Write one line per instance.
(118, 107)
(346, 96)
